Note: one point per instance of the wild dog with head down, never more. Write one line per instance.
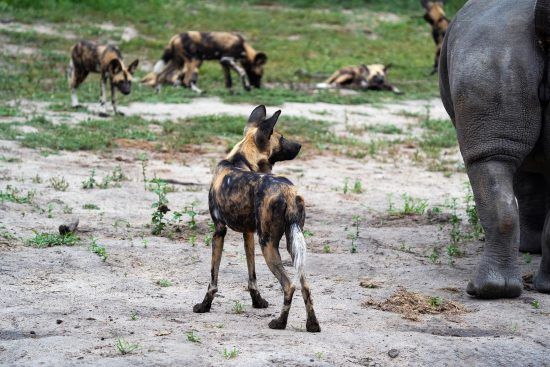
(88, 57)
(371, 77)
(186, 52)
(246, 197)
(435, 16)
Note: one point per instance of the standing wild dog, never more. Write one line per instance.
(435, 16)
(371, 77)
(88, 57)
(247, 198)
(186, 51)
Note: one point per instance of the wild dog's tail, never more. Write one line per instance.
(296, 242)
(542, 21)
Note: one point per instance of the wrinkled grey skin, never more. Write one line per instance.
(491, 67)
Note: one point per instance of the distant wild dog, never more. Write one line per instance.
(186, 52)
(371, 77)
(246, 197)
(435, 16)
(88, 57)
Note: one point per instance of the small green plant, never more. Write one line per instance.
(471, 213)
(98, 250)
(355, 236)
(307, 233)
(346, 185)
(12, 194)
(160, 206)
(413, 206)
(142, 157)
(357, 187)
(193, 240)
(90, 206)
(37, 179)
(453, 251)
(192, 214)
(192, 337)
(319, 355)
(50, 210)
(527, 257)
(230, 354)
(434, 256)
(326, 248)
(41, 240)
(536, 304)
(125, 347)
(90, 182)
(164, 283)
(238, 307)
(145, 242)
(59, 183)
(435, 301)
(134, 315)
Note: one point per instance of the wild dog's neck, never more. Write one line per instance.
(245, 155)
(250, 53)
(437, 13)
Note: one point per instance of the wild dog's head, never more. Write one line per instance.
(434, 10)
(254, 66)
(376, 74)
(121, 76)
(263, 146)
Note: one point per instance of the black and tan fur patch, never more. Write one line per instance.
(186, 51)
(435, 16)
(365, 77)
(89, 57)
(246, 197)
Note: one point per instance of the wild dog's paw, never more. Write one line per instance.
(201, 308)
(312, 325)
(247, 88)
(277, 324)
(103, 114)
(542, 282)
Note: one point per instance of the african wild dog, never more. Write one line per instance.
(371, 77)
(435, 16)
(246, 197)
(186, 52)
(88, 57)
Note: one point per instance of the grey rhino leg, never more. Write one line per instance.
(542, 279)
(530, 189)
(497, 274)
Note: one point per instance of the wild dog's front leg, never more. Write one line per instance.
(113, 101)
(217, 249)
(103, 97)
(191, 74)
(273, 259)
(257, 300)
(226, 73)
(230, 62)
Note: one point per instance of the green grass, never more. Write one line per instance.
(42, 240)
(315, 37)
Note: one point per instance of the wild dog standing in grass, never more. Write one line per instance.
(188, 50)
(88, 57)
(371, 77)
(435, 16)
(247, 198)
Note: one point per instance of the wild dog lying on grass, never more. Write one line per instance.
(186, 51)
(435, 16)
(371, 77)
(247, 198)
(88, 57)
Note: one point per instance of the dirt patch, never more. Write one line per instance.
(413, 305)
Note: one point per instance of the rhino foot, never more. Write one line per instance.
(495, 280)
(542, 282)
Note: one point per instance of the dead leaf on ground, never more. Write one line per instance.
(369, 283)
(412, 305)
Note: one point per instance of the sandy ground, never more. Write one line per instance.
(64, 306)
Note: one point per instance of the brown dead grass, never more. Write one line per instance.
(413, 305)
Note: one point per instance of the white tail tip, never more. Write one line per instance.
(298, 248)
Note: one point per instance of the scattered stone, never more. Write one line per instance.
(393, 353)
(59, 322)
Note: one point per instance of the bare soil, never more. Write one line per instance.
(65, 306)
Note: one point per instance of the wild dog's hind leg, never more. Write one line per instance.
(76, 76)
(230, 62)
(226, 73)
(312, 325)
(257, 300)
(217, 249)
(272, 257)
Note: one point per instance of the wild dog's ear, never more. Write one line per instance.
(257, 116)
(115, 66)
(365, 69)
(388, 67)
(426, 4)
(133, 66)
(265, 130)
(260, 58)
